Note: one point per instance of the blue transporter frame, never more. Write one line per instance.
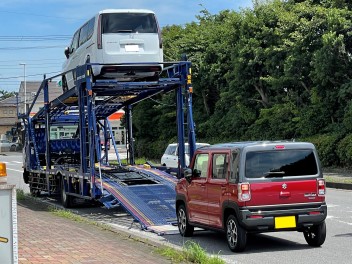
(88, 105)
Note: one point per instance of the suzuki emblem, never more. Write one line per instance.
(284, 186)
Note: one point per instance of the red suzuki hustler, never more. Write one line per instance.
(253, 187)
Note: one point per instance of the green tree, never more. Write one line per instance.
(5, 94)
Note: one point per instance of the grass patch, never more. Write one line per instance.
(337, 175)
(74, 217)
(67, 214)
(338, 179)
(20, 195)
(190, 253)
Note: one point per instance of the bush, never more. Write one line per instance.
(344, 151)
(327, 148)
(150, 150)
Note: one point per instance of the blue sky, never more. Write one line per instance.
(26, 23)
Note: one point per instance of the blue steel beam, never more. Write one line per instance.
(47, 133)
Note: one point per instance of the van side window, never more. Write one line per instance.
(74, 43)
(90, 28)
(220, 165)
(83, 35)
(201, 164)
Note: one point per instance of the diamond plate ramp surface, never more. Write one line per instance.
(152, 205)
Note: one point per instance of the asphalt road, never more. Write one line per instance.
(13, 161)
(291, 247)
(282, 247)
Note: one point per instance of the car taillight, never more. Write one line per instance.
(280, 147)
(321, 187)
(99, 34)
(244, 192)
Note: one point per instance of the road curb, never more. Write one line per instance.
(339, 185)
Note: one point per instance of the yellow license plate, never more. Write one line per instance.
(285, 222)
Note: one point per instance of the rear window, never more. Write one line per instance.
(268, 164)
(129, 23)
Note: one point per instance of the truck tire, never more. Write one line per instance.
(315, 235)
(185, 229)
(66, 199)
(25, 176)
(13, 147)
(64, 84)
(235, 234)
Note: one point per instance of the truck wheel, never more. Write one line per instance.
(315, 235)
(235, 234)
(25, 176)
(66, 199)
(184, 227)
(64, 84)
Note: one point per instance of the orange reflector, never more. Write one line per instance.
(190, 89)
(3, 170)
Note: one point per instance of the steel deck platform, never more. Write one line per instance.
(147, 194)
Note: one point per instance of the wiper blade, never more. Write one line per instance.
(271, 174)
(124, 31)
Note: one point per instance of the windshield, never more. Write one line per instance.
(281, 163)
(129, 23)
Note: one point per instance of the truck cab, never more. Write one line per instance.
(253, 187)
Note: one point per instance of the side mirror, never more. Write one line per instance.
(196, 173)
(188, 173)
(67, 52)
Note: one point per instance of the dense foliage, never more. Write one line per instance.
(281, 70)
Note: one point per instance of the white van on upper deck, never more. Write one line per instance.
(115, 37)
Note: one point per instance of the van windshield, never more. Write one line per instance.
(270, 164)
(129, 23)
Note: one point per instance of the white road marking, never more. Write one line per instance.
(337, 220)
(343, 222)
(14, 170)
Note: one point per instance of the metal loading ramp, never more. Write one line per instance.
(147, 194)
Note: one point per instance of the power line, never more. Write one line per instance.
(36, 38)
(31, 14)
(31, 60)
(37, 66)
(33, 47)
(30, 75)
